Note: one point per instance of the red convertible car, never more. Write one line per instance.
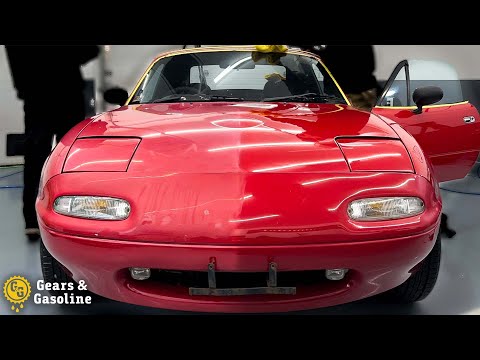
(234, 179)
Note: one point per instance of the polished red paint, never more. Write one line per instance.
(237, 137)
(450, 143)
(236, 208)
(244, 184)
(95, 154)
(421, 164)
(375, 155)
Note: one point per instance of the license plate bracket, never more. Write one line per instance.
(270, 289)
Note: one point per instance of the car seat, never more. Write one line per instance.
(275, 87)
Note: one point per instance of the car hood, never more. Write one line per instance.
(237, 137)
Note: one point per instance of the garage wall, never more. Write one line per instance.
(124, 64)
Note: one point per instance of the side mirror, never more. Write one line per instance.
(426, 95)
(115, 96)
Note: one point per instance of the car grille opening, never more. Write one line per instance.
(238, 279)
(195, 284)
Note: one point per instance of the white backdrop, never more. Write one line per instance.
(127, 62)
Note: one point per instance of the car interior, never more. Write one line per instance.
(189, 75)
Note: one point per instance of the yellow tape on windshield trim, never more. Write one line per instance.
(246, 48)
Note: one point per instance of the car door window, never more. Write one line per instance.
(435, 73)
(413, 74)
(396, 92)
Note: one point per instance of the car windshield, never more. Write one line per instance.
(237, 76)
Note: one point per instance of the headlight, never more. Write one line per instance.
(92, 207)
(385, 208)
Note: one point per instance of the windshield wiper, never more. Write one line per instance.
(225, 98)
(197, 97)
(308, 97)
(182, 97)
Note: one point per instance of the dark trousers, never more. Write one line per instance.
(43, 121)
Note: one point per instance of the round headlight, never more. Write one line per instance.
(92, 207)
(385, 208)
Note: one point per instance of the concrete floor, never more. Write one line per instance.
(457, 290)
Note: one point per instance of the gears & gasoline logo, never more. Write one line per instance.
(17, 290)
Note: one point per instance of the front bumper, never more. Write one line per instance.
(375, 266)
(244, 222)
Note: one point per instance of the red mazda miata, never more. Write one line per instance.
(239, 180)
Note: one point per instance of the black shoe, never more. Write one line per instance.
(450, 233)
(33, 234)
(445, 229)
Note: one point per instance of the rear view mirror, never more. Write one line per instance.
(116, 96)
(426, 95)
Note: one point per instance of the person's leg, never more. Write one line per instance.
(38, 142)
(70, 115)
(445, 228)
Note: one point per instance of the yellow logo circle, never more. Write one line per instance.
(17, 290)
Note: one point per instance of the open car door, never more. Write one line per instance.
(449, 130)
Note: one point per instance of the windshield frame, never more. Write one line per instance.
(229, 49)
